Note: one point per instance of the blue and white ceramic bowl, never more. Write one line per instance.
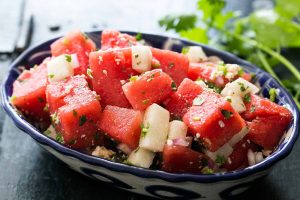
(154, 182)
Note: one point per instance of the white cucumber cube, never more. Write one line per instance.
(237, 103)
(141, 58)
(177, 129)
(156, 127)
(141, 157)
(224, 151)
(59, 68)
(196, 54)
(238, 137)
(239, 87)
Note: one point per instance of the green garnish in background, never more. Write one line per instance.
(258, 37)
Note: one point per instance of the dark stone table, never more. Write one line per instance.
(27, 171)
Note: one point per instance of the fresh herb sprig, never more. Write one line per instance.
(258, 37)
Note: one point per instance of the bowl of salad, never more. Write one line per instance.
(150, 114)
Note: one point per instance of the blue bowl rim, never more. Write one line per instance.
(149, 173)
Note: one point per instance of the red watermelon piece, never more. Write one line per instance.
(182, 99)
(77, 43)
(174, 64)
(180, 159)
(111, 69)
(78, 120)
(57, 91)
(262, 107)
(113, 38)
(122, 124)
(76, 111)
(214, 121)
(151, 87)
(29, 93)
(267, 131)
(239, 155)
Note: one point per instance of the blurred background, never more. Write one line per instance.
(26, 170)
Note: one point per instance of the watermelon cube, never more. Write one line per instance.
(214, 121)
(110, 69)
(151, 87)
(262, 107)
(182, 99)
(29, 93)
(180, 159)
(57, 91)
(78, 120)
(122, 124)
(77, 43)
(113, 38)
(176, 65)
(267, 131)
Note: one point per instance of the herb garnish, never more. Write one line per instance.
(247, 98)
(82, 120)
(173, 86)
(273, 94)
(226, 113)
(68, 58)
(220, 160)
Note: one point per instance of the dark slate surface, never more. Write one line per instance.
(28, 172)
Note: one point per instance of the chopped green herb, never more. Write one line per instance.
(241, 72)
(242, 87)
(82, 120)
(198, 101)
(51, 75)
(155, 65)
(59, 138)
(247, 98)
(126, 162)
(40, 99)
(54, 118)
(171, 65)
(222, 68)
(145, 129)
(138, 37)
(173, 86)
(146, 101)
(47, 132)
(220, 160)
(214, 87)
(133, 78)
(89, 73)
(207, 170)
(72, 142)
(75, 113)
(68, 58)
(185, 50)
(253, 108)
(226, 113)
(228, 99)
(273, 94)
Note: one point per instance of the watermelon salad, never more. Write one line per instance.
(132, 103)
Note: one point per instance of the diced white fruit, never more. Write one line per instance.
(237, 103)
(201, 83)
(156, 123)
(224, 150)
(141, 157)
(74, 60)
(177, 129)
(141, 58)
(196, 54)
(51, 132)
(238, 137)
(59, 68)
(239, 87)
